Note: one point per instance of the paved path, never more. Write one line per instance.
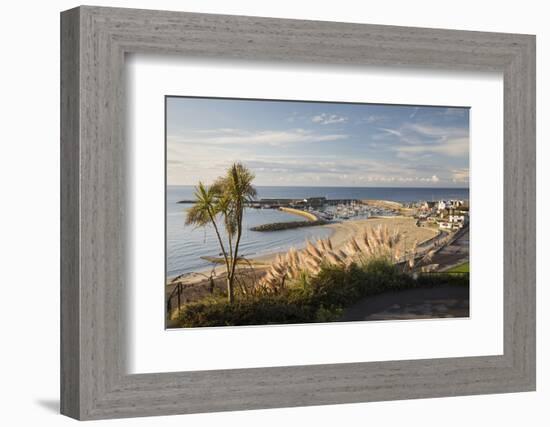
(422, 303)
(455, 253)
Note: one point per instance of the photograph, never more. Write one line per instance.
(292, 212)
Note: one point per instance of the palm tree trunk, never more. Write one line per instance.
(229, 280)
(235, 255)
(230, 246)
(222, 247)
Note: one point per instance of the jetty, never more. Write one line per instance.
(276, 226)
(306, 203)
(312, 220)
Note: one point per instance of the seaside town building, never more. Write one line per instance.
(450, 215)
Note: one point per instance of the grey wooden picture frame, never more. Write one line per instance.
(94, 42)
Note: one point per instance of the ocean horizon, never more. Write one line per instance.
(395, 194)
(185, 245)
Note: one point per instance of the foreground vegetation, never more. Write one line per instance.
(311, 285)
(307, 299)
(462, 268)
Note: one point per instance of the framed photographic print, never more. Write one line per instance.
(304, 212)
(301, 212)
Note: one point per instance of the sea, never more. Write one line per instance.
(185, 245)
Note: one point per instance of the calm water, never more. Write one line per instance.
(186, 244)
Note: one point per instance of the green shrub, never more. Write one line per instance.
(321, 298)
(245, 311)
(324, 315)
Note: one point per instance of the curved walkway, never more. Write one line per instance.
(305, 214)
(420, 303)
(455, 253)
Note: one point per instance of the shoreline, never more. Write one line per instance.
(341, 233)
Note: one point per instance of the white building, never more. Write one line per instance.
(450, 225)
(456, 218)
(448, 204)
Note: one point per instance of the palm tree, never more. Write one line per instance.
(237, 187)
(226, 197)
(204, 212)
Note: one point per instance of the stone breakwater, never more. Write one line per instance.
(288, 225)
(312, 220)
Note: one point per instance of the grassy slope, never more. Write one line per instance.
(462, 268)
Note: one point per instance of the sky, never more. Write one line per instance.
(291, 143)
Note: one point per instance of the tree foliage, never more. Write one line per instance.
(225, 199)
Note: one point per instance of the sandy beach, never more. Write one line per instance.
(341, 233)
(344, 231)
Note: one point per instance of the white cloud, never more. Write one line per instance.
(443, 132)
(374, 118)
(392, 132)
(420, 154)
(327, 119)
(205, 163)
(244, 137)
(457, 147)
(461, 175)
(425, 139)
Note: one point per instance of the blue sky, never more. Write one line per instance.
(318, 144)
